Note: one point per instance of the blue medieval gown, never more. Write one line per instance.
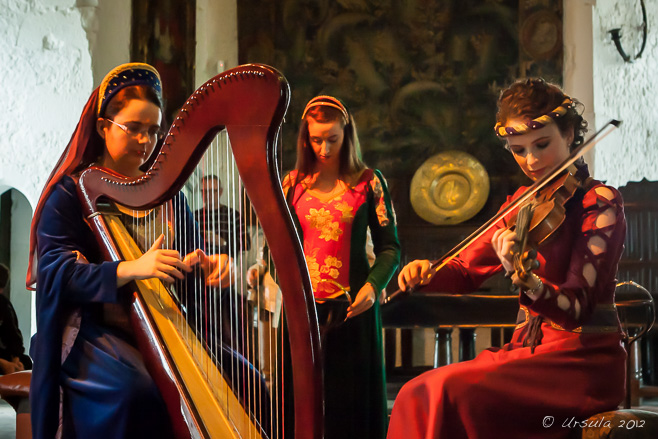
(106, 391)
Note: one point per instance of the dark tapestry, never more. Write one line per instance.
(421, 77)
(163, 35)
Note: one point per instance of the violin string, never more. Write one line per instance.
(523, 221)
(538, 185)
(437, 264)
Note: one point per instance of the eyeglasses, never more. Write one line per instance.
(135, 129)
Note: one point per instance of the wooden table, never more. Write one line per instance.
(443, 312)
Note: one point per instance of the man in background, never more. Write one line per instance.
(221, 226)
(12, 351)
(224, 234)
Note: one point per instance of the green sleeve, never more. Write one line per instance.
(384, 235)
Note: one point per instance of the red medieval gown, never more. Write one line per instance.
(578, 365)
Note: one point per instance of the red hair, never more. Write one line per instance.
(528, 99)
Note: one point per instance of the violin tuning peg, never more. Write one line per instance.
(514, 288)
(532, 254)
(535, 264)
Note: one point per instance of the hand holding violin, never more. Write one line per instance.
(506, 246)
(543, 206)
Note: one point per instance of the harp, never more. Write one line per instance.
(248, 103)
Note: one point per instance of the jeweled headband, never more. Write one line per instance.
(326, 101)
(536, 123)
(124, 76)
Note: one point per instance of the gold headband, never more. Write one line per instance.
(536, 123)
(326, 101)
(126, 75)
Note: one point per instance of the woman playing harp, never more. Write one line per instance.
(83, 345)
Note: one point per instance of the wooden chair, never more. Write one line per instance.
(637, 315)
(636, 310)
(620, 424)
(15, 389)
(639, 263)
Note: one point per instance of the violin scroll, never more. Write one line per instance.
(524, 264)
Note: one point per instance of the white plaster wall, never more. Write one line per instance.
(108, 28)
(45, 72)
(217, 38)
(578, 60)
(626, 91)
(45, 79)
(46, 76)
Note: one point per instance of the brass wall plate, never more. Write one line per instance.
(449, 188)
(541, 35)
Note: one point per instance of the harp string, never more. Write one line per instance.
(251, 330)
(245, 333)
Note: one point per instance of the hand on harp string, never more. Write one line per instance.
(167, 265)
(159, 263)
(218, 269)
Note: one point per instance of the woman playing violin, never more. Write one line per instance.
(565, 358)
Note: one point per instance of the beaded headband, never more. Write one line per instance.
(536, 123)
(326, 101)
(124, 76)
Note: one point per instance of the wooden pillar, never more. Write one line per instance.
(442, 346)
(466, 344)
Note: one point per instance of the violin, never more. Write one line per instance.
(537, 220)
(540, 209)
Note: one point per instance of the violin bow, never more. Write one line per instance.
(538, 185)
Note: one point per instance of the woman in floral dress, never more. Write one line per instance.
(335, 200)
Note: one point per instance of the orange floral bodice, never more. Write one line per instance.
(326, 221)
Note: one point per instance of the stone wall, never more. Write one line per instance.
(54, 53)
(45, 66)
(626, 91)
